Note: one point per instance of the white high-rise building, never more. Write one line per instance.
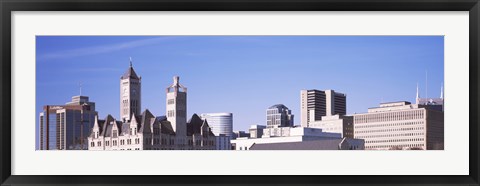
(222, 126)
(221, 123)
(130, 94)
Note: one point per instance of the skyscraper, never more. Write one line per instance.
(66, 127)
(130, 94)
(279, 116)
(177, 109)
(318, 103)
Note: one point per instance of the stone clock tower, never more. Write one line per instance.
(130, 94)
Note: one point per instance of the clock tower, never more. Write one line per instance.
(130, 94)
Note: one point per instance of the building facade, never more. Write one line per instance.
(66, 127)
(283, 135)
(335, 124)
(400, 125)
(222, 126)
(317, 103)
(256, 131)
(147, 132)
(130, 94)
(325, 144)
(144, 131)
(279, 116)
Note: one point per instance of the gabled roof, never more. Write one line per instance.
(130, 73)
(166, 127)
(194, 125)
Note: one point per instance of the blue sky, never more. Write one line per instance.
(243, 75)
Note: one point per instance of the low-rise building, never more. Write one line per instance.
(325, 144)
(335, 124)
(147, 132)
(400, 125)
(283, 135)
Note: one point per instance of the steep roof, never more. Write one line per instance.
(194, 125)
(130, 73)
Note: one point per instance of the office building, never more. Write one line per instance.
(66, 127)
(318, 103)
(222, 126)
(400, 125)
(279, 116)
(325, 144)
(335, 124)
(283, 135)
(256, 131)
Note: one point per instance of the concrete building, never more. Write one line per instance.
(240, 134)
(177, 109)
(400, 125)
(283, 135)
(318, 103)
(279, 116)
(66, 127)
(326, 144)
(256, 131)
(222, 126)
(130, 94)
(335, 124)
(147, 132)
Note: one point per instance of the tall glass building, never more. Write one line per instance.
(222, 126)
(66, 127)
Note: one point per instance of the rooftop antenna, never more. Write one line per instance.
(80, 85)
(426, 84)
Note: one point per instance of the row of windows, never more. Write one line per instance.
(389, 130)
(114, 142)
(170, 101)
(395, 140)
(389, 135)
(388, 124)
(393, 146)
(390, 116)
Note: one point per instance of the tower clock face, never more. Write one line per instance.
(125, 91)
(134, 92)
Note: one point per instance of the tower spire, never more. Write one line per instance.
(418, 96)
(441, 92)
(130, 61)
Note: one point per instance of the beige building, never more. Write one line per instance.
(283, 135)
(146, 131)
(335, 124)
(400, 125)
(317, 103)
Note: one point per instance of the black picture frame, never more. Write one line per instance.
(8, 6)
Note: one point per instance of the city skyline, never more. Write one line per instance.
(98, 62)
